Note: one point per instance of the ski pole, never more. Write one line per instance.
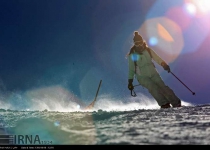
(133, 93)
(193, 93)
(91, 105)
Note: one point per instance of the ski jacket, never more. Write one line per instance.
(140, 62)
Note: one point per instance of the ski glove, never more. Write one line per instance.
(165, 67)
(130, 84)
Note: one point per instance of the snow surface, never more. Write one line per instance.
(141, 124)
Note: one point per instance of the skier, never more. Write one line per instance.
(140, 65)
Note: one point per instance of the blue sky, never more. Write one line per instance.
(77, 43)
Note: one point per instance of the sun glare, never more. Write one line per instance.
(190, 8)
(201, 6)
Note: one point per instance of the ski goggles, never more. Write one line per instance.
(138, 43)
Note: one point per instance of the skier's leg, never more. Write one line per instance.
(153, 90)
(166, 91)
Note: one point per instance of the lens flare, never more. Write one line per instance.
(202, 7)
(57, 123)
(165, 35)
(190, 9)
(153, 41)
(179, 16)
(78, 106)
(135, 57)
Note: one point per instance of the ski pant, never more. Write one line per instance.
(157, 88)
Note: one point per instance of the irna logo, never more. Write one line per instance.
(23, 140)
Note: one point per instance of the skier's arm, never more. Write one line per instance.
(159, 60)
(131, 68)
(156, 57)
